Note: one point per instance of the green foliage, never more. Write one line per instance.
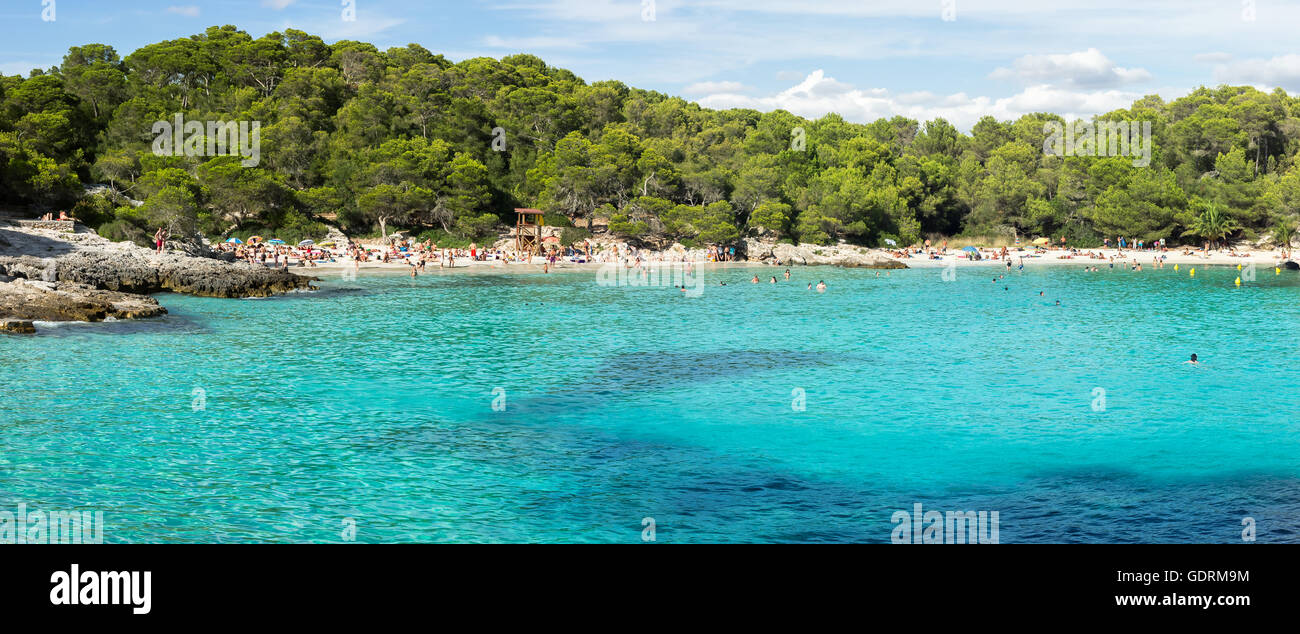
(404, 138)
(124, 231)
(772, 216)
(573, 235)
(1212, 223)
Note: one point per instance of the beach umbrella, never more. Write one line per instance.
(890, 242)
(1042, 240)
(235, 241)
(255, 239)
(971, 249)
(306, 243)
(327, 243)
(275, 241)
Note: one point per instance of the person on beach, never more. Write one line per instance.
(160, 239)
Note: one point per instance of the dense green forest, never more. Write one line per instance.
(377, 140)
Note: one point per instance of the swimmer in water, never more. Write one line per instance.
(821, 286)
(773, 280)
(787, 274)
(810, 286)
(755, 280)
(1193, 360)
(1058, 302)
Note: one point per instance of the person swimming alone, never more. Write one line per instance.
(1193, 360)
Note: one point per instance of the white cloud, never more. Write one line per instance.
(714, 87)
(1283, 70)
(278, 5)
(189, 11)
(818, 95)
(1081, 68)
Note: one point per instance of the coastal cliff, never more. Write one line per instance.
(48, 274)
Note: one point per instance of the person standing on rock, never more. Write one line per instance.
(160, 239)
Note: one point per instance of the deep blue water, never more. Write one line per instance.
(370, 403)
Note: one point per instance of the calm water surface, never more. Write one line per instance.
(372, 400)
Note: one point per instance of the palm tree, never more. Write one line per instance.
(1213, 224)
(1284, 229)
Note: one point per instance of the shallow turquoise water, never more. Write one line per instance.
(371, 401)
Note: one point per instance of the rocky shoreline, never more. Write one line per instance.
(52, 275)
(754, 250)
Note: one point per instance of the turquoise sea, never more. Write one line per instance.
(752, 413)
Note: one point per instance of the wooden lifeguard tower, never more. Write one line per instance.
(528, 233)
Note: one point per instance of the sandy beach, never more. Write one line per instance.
(1030, 259)
(1102, 257)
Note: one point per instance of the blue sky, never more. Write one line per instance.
(864, 59)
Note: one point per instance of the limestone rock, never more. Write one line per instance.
(17, 326)
(26, 300)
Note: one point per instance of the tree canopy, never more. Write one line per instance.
(405, 138)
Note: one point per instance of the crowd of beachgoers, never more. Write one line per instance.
(1122, 252)
(418, 256)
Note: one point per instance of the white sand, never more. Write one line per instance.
(1260, 258)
